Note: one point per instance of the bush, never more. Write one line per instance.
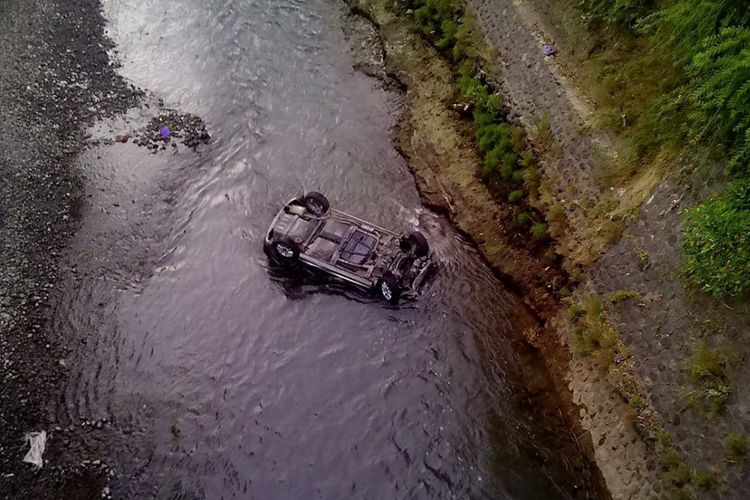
(515, 196)
(575, 311)
(720, 95)
(594, 336)
(704, 480)
(618, 11)
(622, 295)
(705, 370)
(435, 19)
(522, 219)
(716, 239)
(539, 231)
(737, 446)
(507, 165)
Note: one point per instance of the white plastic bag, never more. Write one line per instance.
(37, 440)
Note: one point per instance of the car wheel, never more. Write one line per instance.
(415, 243)
(285, 251)
(316, 203)
(388, 288)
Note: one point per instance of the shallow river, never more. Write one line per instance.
(209, 376)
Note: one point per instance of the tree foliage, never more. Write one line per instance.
(720, 75)
(626, 12)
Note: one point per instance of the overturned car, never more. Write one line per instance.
(308, 232)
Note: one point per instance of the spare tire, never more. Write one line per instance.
(417, 244)
(389, 288)
(285, 251)
(316, 203)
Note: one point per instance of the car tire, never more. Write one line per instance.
(285, 251)
(415, 243)
(388, 288)
(316, 203)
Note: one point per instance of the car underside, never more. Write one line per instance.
(307, 232)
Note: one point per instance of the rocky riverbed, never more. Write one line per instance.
(57, 78)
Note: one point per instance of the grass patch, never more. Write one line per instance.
(637, 402)
(708, 391)
(593, 334)
(674, 468)
(704, 480)
(622, 295)
(736, 447)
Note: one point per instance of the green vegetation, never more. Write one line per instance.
(637, 402)
(737, 446)
(717, 242)
(539, 231)
(675, 470)
(698, 98)
(708, 391)
(593, 334)
(704, 479)
(622, 295)
(507, 164)
(575, 311)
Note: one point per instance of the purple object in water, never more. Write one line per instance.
(549, 50)
(164, 131)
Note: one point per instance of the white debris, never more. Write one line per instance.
(37, 440)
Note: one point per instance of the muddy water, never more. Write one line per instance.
(205, 374)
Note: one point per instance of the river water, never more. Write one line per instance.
(204, 374)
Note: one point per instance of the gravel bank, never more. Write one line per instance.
(56, 78)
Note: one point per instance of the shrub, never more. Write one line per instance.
(448, 31)
(506, 172)
(705, 370)
(531, 180)
(515, 196)
(522, 219)
(472, 88)
(575, 311)
(636, 401)
(737, 446)
(539, 231)
(435, 20)
(676, 470)
(716, 239)
(594, 304)
(465, 38)
(618, 11)
(704, 479)
(595, 334)
(622, 295)
(720, 81)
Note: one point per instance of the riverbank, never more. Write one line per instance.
(445, 163)
(631, 343)
(56, 78)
